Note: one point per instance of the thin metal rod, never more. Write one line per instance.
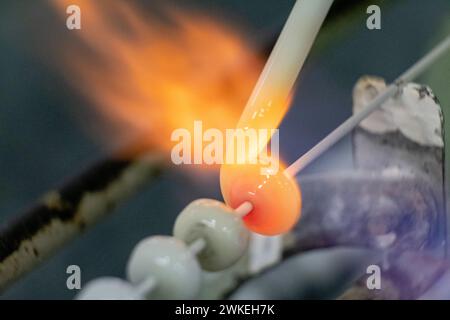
(348, 125)
(197, 246)
(244, 209)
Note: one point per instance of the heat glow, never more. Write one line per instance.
(147, 74)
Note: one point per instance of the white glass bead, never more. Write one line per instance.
(108, 288)
(169, 261)
(225, 235)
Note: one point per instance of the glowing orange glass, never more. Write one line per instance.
(276, 199)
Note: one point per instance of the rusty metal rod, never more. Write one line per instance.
(64, 213)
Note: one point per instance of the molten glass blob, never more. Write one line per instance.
(276, 199)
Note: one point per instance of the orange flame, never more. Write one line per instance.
(147, 77)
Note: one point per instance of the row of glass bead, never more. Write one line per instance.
(207, 235)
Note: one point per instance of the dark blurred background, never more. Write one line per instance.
(42, 141)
